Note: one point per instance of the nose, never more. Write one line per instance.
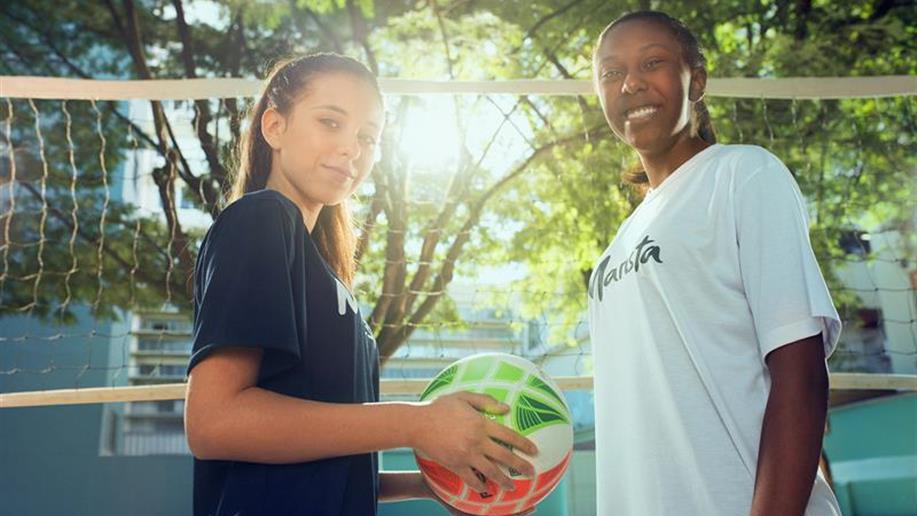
(350, 147)
(632, 84)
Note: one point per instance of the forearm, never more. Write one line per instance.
(790, 447)
(396, 486)
(258, 425)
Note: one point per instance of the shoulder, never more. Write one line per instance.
(257, 218)
(270, 204)
(746, 164)
(748, 159)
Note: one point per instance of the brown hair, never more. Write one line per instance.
(333, 232)
(694, 57)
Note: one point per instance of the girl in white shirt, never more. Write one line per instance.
(709, 316)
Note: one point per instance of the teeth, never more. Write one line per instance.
(641, 112)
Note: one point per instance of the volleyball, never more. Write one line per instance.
(538, 411)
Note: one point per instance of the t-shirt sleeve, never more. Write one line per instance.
(243, 288)
(786, 291)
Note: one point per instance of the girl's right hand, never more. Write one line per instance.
(452, 432)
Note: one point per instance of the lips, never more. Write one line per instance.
(641, 112)
(340, 170)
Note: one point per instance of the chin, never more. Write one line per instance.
(333, 198)
(327, 194)
(641, 143)
(647, 141)
(336, 202)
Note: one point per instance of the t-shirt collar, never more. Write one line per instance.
(700, 157)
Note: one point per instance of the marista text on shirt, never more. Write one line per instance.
(643, 253)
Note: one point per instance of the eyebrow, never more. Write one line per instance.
(339, 109)
(641, 49)
(651, 45)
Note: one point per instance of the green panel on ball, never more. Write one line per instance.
(477, 370)
(530, 414)
(538, 384)
(442, 379)
(497, 393)
(508, 373)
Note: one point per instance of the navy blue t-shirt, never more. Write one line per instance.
(261, 282)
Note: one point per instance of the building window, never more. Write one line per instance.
(160, 347)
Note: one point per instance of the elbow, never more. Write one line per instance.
(203, 440)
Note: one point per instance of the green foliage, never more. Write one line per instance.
(71, 241)
(853, 159)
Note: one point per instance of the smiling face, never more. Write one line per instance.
(325, 146)
(645, 86)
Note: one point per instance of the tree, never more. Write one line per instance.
(552, 209)
(131, 33)
(854, 159)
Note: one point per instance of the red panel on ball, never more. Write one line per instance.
(445, 479)
(505, 508)
(493, 491)
(470, 508)
(550, 476)
(523, 486)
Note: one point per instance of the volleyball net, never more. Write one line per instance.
(477, 228)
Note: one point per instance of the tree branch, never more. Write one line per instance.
(530, 33)
(396, 336)
(361, 34)
(297, 14)
(548, 17)
(580, 100)
(392, 203)
(79, 72)
(111, 253)
(202, 117)
(369, 222)
(394, 272)
(235, 67)
(433, 234)
(164, 177)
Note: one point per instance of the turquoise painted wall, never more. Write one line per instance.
(50, 461)
(872, 449)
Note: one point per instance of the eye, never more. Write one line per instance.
(611, 74)
(653, 63)
(367, 140)
(330, 123)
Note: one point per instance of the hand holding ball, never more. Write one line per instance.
(537, 411)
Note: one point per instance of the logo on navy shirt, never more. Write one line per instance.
(602, 277)
(345, 299)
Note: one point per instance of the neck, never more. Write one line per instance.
(309, 208)
(660, 163)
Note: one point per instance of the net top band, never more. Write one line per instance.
(192, 89)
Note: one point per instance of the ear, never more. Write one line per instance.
(698, 87)
(273, 125)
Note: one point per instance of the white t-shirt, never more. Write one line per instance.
(711, 272)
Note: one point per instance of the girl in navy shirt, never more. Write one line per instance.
(283, 412)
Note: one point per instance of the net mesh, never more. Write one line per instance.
(103, 203)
